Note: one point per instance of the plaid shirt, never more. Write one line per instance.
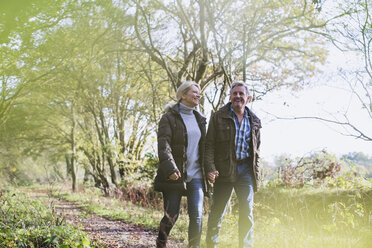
(242, 134)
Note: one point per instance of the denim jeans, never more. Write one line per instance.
(172, 202)
(221, 195)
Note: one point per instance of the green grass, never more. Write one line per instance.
(313, 218)
(26, 222)
(308, 217)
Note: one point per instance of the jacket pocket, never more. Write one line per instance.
(222, 162)
(223, 133)
(170, 185)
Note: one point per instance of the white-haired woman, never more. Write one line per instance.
(181, 137)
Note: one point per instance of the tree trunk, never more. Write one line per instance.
(73, 152)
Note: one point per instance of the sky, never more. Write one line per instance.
(301, 137)
(330, 96)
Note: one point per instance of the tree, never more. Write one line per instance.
(270, 44)
(20, 107)
(97, 73)
(101, 91)
(355, 35)
(20, 19)
(350, 31)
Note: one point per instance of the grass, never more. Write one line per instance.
(26, 222)
(313, 218)
(307, 217)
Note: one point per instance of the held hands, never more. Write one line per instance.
(175, 176)
(212, 176)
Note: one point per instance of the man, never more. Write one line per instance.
(231, 153)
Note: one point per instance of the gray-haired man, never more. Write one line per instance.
(231, 153)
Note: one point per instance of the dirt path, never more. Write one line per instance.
(114, 234)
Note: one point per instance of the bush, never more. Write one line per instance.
(25, 222)
(137, 185)
(313, 170)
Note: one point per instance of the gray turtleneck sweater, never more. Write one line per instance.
(193, 136)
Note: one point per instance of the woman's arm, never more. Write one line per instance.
(167, 165)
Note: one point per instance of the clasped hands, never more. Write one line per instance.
(212, 176)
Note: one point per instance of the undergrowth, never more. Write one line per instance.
(284, 217)
(26, 222)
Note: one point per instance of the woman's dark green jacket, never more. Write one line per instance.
(172, 146)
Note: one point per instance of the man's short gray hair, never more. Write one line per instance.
(240, 83)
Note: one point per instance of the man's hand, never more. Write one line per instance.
(212, 176)
(175, 176)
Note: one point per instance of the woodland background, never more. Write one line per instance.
(84, 83)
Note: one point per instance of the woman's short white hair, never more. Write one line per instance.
(184, 88)
(181, 90)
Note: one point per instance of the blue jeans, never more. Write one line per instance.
(221, 195)
(172, 202)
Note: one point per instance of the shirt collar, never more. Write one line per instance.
(232, 113)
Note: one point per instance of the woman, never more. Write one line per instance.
(181, 137)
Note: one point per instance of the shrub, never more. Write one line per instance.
(25, 222)
(137, 185)
(314, 169)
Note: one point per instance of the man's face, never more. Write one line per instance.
(239, 97)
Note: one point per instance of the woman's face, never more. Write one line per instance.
(192, 97)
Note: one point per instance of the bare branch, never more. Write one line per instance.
(358, 133)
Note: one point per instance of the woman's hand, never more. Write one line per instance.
(212, 176)
(175, 176)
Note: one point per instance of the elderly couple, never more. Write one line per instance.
(226, 156)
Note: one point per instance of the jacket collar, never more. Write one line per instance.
(175, 109)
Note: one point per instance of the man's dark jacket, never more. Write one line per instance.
(220, 149)
(172, 147)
